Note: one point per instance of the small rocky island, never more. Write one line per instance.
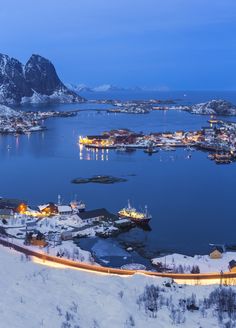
(104, 179)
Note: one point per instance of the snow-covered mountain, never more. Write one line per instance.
(35, 82)
(215, 107)
(107, 87)
(78, 88)
(100, 88)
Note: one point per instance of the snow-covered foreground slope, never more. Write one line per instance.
(34, 295)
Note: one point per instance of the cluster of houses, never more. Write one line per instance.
(219, 138)
(55, 223)
(126, 138)
(10, 207)
(25, 122)
(217, 253)
(19, 124)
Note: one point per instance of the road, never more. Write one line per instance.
(227, 278)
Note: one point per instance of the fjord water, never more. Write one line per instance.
(192, 201)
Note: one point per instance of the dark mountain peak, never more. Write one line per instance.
(37, 81)
(7, 64)
(41, 75)
(38, 57)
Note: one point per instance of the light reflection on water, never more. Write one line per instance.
(93, 154)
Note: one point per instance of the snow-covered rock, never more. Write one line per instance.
(215, 107)
(35, 82)
(7, 111)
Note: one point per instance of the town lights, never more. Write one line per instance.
(22, 208)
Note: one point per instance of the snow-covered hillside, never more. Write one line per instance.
(214, 107)
(6, 111)
(183, 263)
(34, 295)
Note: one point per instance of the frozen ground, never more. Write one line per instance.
(34, 295)
(204, 262)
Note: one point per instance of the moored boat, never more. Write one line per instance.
(150, 150)
(131, 213)
(77, 206)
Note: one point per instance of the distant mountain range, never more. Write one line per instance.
(101, 88)
(35, 82)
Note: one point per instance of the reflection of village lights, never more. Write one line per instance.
(28, 135)
(17, 142)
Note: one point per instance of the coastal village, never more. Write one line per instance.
(219, 139)
(54, 226)
(20, 122)
(55, 229)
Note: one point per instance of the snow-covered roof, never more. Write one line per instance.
(64, 208)
(42, 207)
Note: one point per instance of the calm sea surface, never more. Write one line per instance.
(192, 201)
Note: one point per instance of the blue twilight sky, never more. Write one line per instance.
(175, 44)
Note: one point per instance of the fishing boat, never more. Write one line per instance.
(131, 213)
(213, 120)
(77, 206)
(150, 150)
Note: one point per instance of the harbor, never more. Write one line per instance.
(24, 122)
(219, 139)
(63, 159)
(59, 228)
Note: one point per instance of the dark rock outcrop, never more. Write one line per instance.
(35, 82)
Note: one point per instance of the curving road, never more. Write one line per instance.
(228, 278)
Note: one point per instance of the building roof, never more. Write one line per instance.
(218, 248)
(42, 207)
(232, 264)
(64, 208)
(100, 212)
(50, 204)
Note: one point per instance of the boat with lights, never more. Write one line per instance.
(131, 213)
